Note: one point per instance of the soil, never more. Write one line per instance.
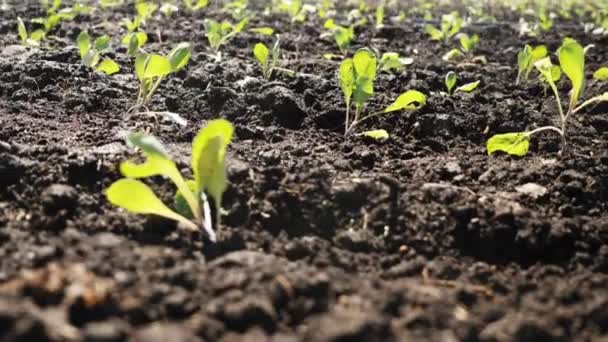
(419, 238)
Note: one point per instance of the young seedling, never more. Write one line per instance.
(467, 46)
(450, 82)
(526, 59)
(379, 16)
(390, 61)
(219, 34)
(356, 77)
(31, 40)
(268, 61)
(91, 52)
(449, 27)
(343, 36)
(151, 69)
(208, 168)
(134, 41)
(571, 57)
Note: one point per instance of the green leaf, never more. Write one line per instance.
(138, 198)
(469, 87)
(261, 53)
(102, 43)
(140, 65)
(265, 31)
(450, 81)
(450, 55)
(84, 44)
(22, 31)
(156, 66)
(572, 61)
(377, 134)
(208, 154)
(433, 32)
(347, 79)
(364, 63)
(134, 41)
(37, 35)
(108, 66)
(601, 74)
(179, 56)
(181, 205)
(391, 61)
(512, 143)
(410, 100)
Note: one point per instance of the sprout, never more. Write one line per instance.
(33, 39)
(268, 62)
(450, 82)
(526, 59)
(208, 167)
(219, 34)
(390, 61)
(357, 76)
(91, 52)
(450, 26)
(571, 57)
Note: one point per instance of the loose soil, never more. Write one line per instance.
(419, 238)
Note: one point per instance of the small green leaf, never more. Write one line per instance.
(347, 79)
(469, 87)
(377, 134)
(37, 35)
(450, 81)
(179, 56)
(572, 61)
(512, 143)
(410, 100)
(102, 43)
(84, 44)
(181, 205)
(601, 74)
(265, 31)
(450, 55)
(208, 153)
(22, 31)
(391, 61)
(364, 63)
(157, 66)
(140, 65)
(433, 32)
(108, 66)
(261, 53)
(138, 198)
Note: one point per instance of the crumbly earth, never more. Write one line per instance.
(419, 238)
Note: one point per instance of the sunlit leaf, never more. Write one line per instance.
(108, 67)
(601, 74)
(572, 61)
(156, 66)
(450, 81)
(377, 134)
(347, 79)
(512, 143)
(179, 56)
(468, 87)
(410, 100)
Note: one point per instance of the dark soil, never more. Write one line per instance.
(420, 238)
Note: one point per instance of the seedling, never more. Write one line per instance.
(356, 77)
(467, 46)
(449, 27)
(32, 39)
(390, 61)
(601, 74)
(219, 34)
(526, 59)
(296, 9)
(91, 52)
(545, 22)
(151, 69)
(167, 9)
(268, 61)
(134, 42)
(208, 165)
(450, 82)
(379, 16)
(571, 57)
(343, 36)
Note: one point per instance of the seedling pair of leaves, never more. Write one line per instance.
(467, 46)
(392, 62)
(449, 27)
(356, 77)
(268, 61)
(31, 40)
(54, 15)
(526, 59)
(134, 41)
(208, 163)
(450, 82)
(144, 11)
(571, 57)
(343, 36)
(91, 52)
(219, 34)
(151, 69)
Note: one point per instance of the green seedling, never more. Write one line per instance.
(134, 41)
(219, 34)
(344, 36)
(91, 52)
(144, 10)
(379, 16)
(450, 82)
(571, 57)
(33, 39)
(466, 48)
(601, 74)
(264, 31)
(296, 9)
(526, 59)
(151, 69)
(167, 9)
(356, 78)
(391, 62)
(269, 60)
(449, 27)
(545, 22)
(195, 5)
(208, 165)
